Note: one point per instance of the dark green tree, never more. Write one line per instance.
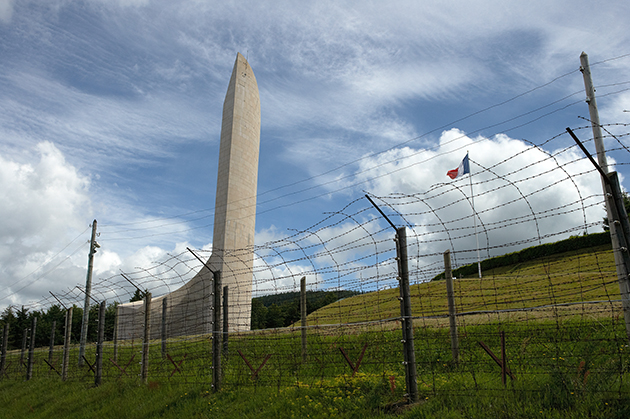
(275, 316)
(138, 295)
(110, 319)
(291, 313)
(259, 314)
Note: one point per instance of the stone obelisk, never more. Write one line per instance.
(235, 206)
(188, 310)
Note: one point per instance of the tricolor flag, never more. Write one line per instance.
(463, 168)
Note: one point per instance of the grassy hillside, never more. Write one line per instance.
(574, 367)
(581, 275)
(573, 243)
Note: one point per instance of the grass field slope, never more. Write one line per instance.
(558, 315)
(573, 280)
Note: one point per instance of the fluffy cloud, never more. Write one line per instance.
(523, 195)
(43, 205)
(132, 90)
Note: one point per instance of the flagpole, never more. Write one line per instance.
(472, 201)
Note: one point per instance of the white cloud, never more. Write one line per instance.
(6, 10)
(524, 194)
(45, 204)
(41, 201)
(129, 83)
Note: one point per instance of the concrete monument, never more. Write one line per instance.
(189, 308)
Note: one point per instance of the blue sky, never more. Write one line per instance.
(111, 110)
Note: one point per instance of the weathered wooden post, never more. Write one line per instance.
(66, 345)
(504, 368)
(225, 320)
(409, 354)
(31, 350)
(164, 309)
(5, 342)
(144, 373)
(116, 334)
(407, 318)
(620, 236)
(216, 332)
(98, 376)
(51, 349)
(24, 340)
(303, 315)
(88, 291)
(618, 221)
(450, 296)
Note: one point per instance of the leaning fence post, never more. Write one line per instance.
(66, 345)
(31, 350)
(409, 354)
(226, 326)
(450, 296)
(303, 315)
(5, 342)
(145, 340)
(216, 332)
(164, 308)
(407, 318)
(99, 345)
(620, 236)
(617, 215)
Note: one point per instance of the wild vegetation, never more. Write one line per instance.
(21, 319)
(568, 361)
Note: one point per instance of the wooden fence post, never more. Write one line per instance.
(164, 308)
(66, 345)
(450, 295)
(407, 318)
(145, 340)
(620, 236)
(303, 316)
(98, 376)
(116, 333)
(51, 349)
(23, 351)
(5, 342)
(226, 326)
(216, 332)
(31, 350)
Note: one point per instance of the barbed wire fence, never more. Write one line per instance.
(524, 325)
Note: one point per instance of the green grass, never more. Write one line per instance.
(572, 368)
(568, 369)
(570, 362)
(583, 275)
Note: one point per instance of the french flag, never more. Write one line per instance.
(464, 167)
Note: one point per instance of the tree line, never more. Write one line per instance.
(21, 319)
(270, 311)
(282, 310)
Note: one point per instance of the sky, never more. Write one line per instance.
(110, 110)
